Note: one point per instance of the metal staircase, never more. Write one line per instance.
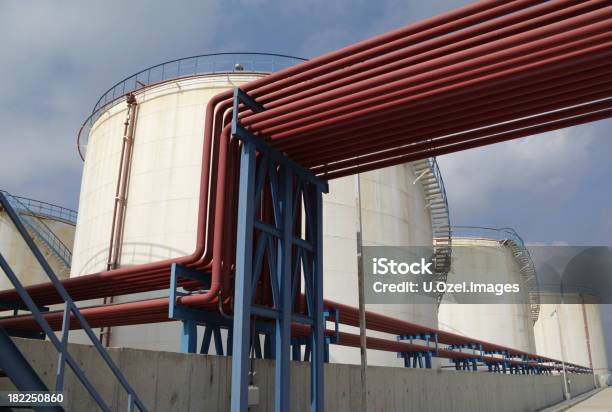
(527, 268)
(428, 175)
(506, 236)
(29, 212)
(15, 366)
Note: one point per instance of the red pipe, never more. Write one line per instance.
(464, 55)
(273, 121)
(544, 96)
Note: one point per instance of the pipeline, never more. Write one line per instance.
(485, 73)
(155, 311)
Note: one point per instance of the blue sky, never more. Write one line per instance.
(59, 57)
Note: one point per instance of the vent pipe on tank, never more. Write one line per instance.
(125, 162)
(114, 249)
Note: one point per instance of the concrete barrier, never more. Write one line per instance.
(168, 381)
(580, 384)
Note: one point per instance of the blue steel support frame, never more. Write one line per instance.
(417, 358)
(189, 317)
(288, 257)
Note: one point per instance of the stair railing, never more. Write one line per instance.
(39, 229)
(507, 236)
(70, 309)
(428, 174)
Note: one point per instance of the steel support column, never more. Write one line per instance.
(290, 255)
(243, 289)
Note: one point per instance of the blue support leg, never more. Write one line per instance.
(205, 348)
(284, 277)
(316, 374)
(243, 293)
(296, 349)
(218, 341)
(189, 336)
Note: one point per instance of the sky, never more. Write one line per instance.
(59, 57)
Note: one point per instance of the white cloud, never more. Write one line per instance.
(58, 58)
(546, 168)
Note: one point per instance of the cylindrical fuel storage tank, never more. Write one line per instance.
(483, 255)
(52, 229)
(162, 197)
(394, 212)
(572, 331)
(574, 280)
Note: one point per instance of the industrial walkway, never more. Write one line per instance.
(599, 402)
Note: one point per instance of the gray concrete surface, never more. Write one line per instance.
(600, 402)
(168, 381)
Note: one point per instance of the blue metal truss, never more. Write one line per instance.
(289, 257)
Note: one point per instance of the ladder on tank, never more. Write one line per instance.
(16, 367)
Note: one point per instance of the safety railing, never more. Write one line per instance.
(491, 233)
(183, 68)
(70, 310)
(509, 237)
(194, 65)
(39, 229)
(48, 210)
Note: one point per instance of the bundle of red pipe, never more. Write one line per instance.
(488, 72)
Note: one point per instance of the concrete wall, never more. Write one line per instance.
(169, 381)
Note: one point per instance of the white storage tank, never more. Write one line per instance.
(574, 280)
(485, 255)
(162, 199)
(52, 228)
(573, 332)
(394, 212)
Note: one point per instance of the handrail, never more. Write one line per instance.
(45, 209)
(507, 235)
(428, 172)
(501, 233)
(70, 309)
(438, 174)
(442, 251)
(39, 229)
(212, 63)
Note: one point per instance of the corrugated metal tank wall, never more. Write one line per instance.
(484, 260)
(163, 196)
(21, 259)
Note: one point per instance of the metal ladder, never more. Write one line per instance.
(25, 209)
(16, 367)
(428, 175)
